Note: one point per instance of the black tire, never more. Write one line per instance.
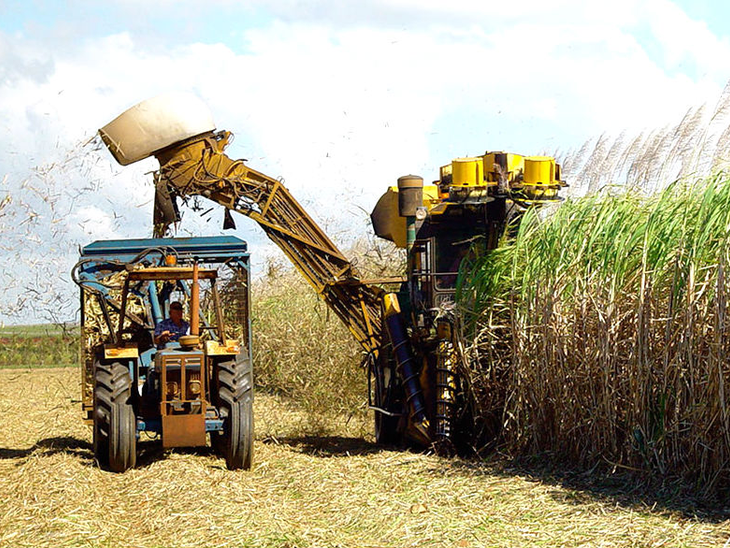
(386, 429)
(101, 439)
(385, 387)
(235, 398)
(115, 424)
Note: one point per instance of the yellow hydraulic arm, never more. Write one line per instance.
(199, 166)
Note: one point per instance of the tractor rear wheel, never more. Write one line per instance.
(115, 424)
(235, 398)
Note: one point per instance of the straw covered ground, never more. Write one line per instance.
(338, 490)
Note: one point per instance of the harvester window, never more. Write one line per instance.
(449, 252)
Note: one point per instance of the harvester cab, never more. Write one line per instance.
(180, 390)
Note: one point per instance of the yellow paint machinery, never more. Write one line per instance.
(410, 336)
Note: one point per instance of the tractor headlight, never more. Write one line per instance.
(173, 390)
(194, 388)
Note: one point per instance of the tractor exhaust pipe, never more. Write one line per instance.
(195, 303)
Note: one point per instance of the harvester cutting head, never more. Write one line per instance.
(521, 181)
(528, 179)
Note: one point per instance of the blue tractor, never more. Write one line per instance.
(180, 388)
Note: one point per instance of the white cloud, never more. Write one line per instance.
(687, 41)
(95, 222)
(340, 111)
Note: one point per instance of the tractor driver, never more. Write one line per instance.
(173, 327)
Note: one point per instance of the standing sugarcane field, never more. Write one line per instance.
(297, 275)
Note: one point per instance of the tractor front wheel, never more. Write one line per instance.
(235, 398)
(115, 424)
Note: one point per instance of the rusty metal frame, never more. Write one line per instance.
(185, 429)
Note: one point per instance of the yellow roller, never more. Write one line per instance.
(541, 181)
(467, 172)
(539, 170)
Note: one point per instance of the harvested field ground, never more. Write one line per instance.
(305, 491)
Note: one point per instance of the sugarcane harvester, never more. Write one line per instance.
(409, 336)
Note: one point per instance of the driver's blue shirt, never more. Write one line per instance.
(175, 330)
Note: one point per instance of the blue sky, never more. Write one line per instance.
(714, 13)
(70, 28)
(336, 98)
